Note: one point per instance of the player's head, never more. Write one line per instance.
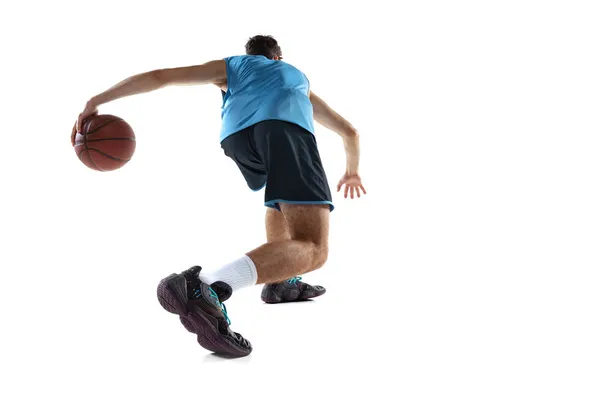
(267, 46)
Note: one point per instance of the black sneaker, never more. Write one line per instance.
(291, 290)
(202, 312)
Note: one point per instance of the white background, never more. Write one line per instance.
(469, 271)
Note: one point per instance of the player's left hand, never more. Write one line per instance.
(352, 183)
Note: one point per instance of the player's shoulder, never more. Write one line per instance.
(245, 58)
(290, 67)
(256, 61)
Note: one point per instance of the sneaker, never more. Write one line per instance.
(201, 311)
(291, 290)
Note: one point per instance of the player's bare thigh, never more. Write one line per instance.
(309, 223)
(276, 226)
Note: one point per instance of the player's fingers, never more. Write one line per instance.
(358, 192)
(339, 186)
(362, 187)
(346, 191)
(79, 121)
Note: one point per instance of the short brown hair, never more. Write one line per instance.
(261, 45)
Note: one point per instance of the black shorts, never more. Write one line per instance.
(283, 157)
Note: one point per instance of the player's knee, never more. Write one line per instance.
(321, 252)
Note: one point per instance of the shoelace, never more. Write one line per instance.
(198, 294)
(295, 279)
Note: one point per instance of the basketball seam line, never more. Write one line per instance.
(109, 156)
(103, 125)
(94, 162)
(85, 140)
(89, 155)
(103, 139)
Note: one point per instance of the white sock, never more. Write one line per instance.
(238, 274)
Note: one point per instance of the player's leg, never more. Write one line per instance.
(295, 177)
(292, 289)
(302, 251)
(276, 226)
(305, 251)
(286, 155)
(197, 299)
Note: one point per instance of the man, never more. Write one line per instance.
(268, 132)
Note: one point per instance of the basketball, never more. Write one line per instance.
(105, 142)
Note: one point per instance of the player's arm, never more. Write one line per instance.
(221, 84)
(327, 117)
(210, 73)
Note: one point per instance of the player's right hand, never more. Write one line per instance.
(352, 184)
(89, 110)
(73, 133)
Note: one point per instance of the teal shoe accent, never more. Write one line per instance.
(294, 279)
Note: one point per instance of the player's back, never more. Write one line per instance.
(260, 89)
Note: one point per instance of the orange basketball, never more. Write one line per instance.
(105, 142)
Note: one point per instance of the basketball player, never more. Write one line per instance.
(267, 130)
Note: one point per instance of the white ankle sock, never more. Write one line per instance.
(238, 274)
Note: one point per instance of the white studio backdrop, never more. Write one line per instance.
(469, 271)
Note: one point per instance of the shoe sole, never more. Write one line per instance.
(273, 298)
(321, 293)
(172, 296)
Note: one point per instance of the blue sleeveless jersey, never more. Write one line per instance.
(260, 89)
